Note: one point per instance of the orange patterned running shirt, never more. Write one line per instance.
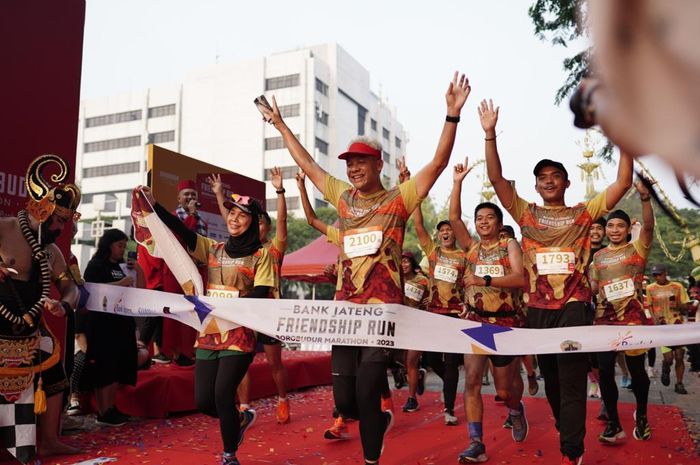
(446, 278)
(372, 230)
(666, 302)
(619, 273)
(556, 250)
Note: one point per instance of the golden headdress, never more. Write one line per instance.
(45, 200)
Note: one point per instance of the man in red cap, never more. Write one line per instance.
(372, 222)
(169, 335)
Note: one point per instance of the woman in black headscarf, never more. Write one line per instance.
(239, 267)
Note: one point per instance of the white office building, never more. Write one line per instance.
(323, 93)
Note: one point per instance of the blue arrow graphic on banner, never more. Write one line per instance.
(484, 334)
(200, 307)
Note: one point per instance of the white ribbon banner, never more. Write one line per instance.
(381, 325)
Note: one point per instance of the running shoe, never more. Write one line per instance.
(339, 430)
(642, 430)
(73, 408)
(229, 459)
(247, 420)
(485, 380)
(626, 382)
(680, 389)
(666, 374)
(520, 426)
(283, 411)
(387, 404)
(475, 453)
(183, 361)
(613, 432)
(594, 391)
(420, 389)
(389, 416)
(411, 405)
(566, 460)
(650, 372)
(160, 359)
(508, 424)
(111, 418)
(533, 386)
(450, 418)
(603, 413)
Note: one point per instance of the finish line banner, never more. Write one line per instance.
(380, 325)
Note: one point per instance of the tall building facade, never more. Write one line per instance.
(324, 96)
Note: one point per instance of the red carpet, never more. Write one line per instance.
(165, 389)
(418, 438)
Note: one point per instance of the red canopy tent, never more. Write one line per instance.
(307, 264)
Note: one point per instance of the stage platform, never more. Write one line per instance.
(163, 390)
(418, 438)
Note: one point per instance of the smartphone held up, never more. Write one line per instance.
(263, 106)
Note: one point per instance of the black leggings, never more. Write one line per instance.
(359, 397)
(446, 366)
(152, 330)
(215, 386)
(652, 357)
(608, 387)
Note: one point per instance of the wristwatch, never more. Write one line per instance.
(487, 280)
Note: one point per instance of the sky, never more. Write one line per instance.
(411, 49)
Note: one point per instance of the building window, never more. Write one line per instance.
(322, 117)
(275, 143)
(112, 144)
(397, 142)
(288, 172)
(385, 133)
(373, 124)
(111, 170)
(289, 110)
(292, 204)
(114, 118)
(361, 120)
(386, 156)
(280, 82)
(322, 146)
(161, 137)
(386, 181)
(163, 110)
(321, 86)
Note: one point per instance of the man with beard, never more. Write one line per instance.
(29, 262)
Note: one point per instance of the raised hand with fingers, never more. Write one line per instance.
(404, 173)
(461, 171)
(488, 116)
(274, 117)
(457, 94)
(214, 180)
(642, 188)
(276, 178)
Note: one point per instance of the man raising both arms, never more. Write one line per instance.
(372, 223)
(556, 251)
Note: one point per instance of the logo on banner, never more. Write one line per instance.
(625, 341)
(570, 346)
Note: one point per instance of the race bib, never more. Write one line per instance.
(618, 289)
(413, 292)
(218, 290)
(555, 260)
(495, 271)
(445, 273)
(363, 241)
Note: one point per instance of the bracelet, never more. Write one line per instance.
(490, 138)
(452, 119)
(281, 191)
(645, 199)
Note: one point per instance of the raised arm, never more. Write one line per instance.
(456, 97)
(217, 188)
(423, 236)
(281, 230)
(464, 239)
(309, 212)
(489, 117)
(171, 221)
(646, 235)
(623, 182)
(300, 155)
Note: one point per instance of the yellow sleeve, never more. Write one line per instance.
(592, 270)
(333, 235)
(428, 247)
(598, 205)
(264, 270)
(279, 245)
(333, 189)
(647, 296)
(641, 250)
(684, 295)
(201, 250)
(518, 207)
(409, 194)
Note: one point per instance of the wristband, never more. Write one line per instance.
(487, 280)
(452, 119)
(490, 138)
(645, 199)
(281, 191)
(66, 307)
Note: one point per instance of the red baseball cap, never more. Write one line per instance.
(360, 149)
(186, 184)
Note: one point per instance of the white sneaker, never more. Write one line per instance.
(650, 372)
(450, 419)
(594, 391)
